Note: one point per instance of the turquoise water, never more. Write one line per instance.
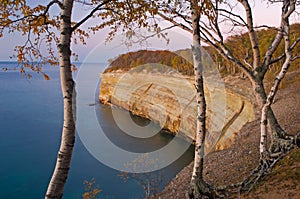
(31, 120)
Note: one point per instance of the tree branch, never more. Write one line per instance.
(34, 16)
(295, 57)
(283, 54)
(77, 25)
(287, 9)
(225, 53)
(60, 4)
(252, 34)
(231, 13)
(247, 57)
(295, 43)
(273, 61)
(187, 19)
(184, 27)
(265, 26)
(144, 38)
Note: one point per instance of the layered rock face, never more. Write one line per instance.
(169, 100)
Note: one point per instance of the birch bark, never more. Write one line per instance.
(198, 185)
(60, 174)
(285, 28)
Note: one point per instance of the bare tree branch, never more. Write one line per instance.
(283, 54)
(266, 26)
(295, 43)
(273, 61)
(230, 13)
(145, 38)
(246, 58)
(295, 57)
(287, 9)
(187, 19)
(252, 34)
(77, 25)
(226, 54)
(184, 27)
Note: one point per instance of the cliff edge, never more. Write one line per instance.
(169, 100)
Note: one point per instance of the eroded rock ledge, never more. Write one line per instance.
(168, 99)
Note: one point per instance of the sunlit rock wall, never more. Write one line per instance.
(169, 99)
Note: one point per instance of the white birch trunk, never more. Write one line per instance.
(266, 107)
(60, 174)
(197, 182)
(257, 82)
(200, 98)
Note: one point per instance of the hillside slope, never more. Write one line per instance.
(235, 163)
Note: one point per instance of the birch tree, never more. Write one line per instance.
(186, 15)
(281, 144)
(288, 7)
(63, 162)
(254, 65)
(198, 186)
(41, 27)
(184, 11)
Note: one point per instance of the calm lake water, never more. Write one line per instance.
(31, 114)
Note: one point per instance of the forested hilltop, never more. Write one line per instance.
(181, 60)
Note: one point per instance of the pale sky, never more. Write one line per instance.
(97, 51)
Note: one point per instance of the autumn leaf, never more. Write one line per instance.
(22, 70)
(74, 68)
(46, 76)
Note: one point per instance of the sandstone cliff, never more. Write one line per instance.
(169, 100)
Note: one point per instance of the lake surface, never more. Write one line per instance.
(31, 114)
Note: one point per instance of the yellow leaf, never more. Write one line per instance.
(22, 70)
(74, 68)
(46, 77)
